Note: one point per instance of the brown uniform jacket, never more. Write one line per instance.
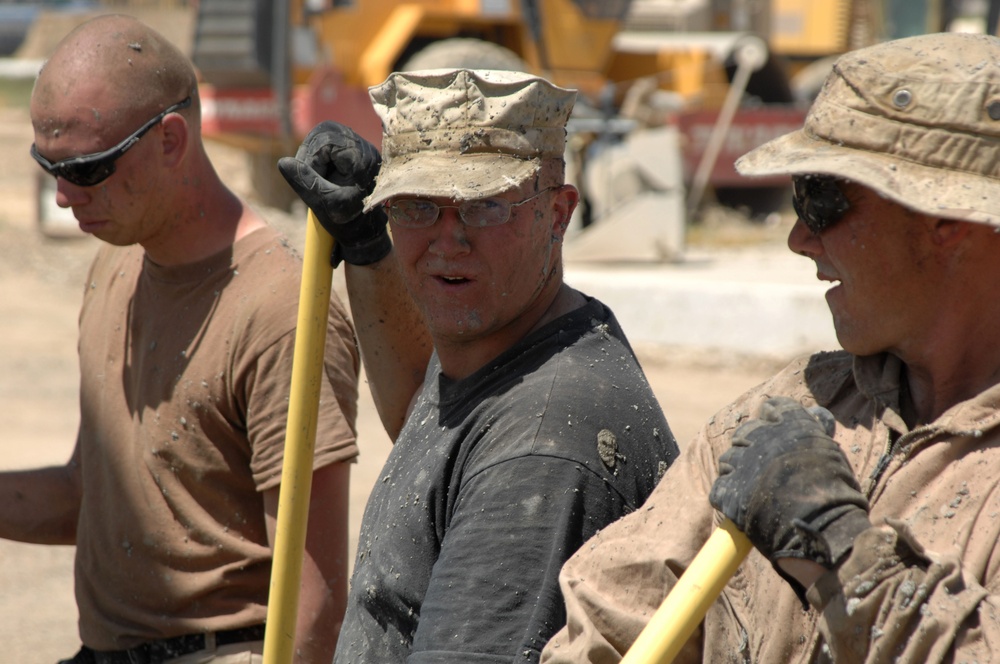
(922, 585)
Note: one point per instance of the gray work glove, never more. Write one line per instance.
(788, 486)
(332, 172)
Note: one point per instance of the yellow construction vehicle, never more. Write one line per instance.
(354, 45)
(273, 70)
(576, 43)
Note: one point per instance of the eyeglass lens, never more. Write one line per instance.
(818, 201)
(478, 213)
(419, 213)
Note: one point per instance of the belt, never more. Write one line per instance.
(155, 652)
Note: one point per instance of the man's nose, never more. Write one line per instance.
(69, 194)
(803, 241)
(450, 233)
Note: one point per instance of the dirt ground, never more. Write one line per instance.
(40, 287)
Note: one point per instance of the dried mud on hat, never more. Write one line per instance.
(465, 134)
(916, 119)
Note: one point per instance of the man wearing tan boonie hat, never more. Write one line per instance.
(522, 421)
(920, 125)
(868, 479)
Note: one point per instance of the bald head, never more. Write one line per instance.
(128, 67)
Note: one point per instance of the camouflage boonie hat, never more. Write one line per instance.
(465, 134)
(916, 119)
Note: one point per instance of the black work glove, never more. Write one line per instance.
(332, 172)
(788, 486)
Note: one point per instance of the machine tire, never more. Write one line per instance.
(465, 52)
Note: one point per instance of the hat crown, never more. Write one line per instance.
(946, 81)
(466, 133)
(440, 104)
(916, 119)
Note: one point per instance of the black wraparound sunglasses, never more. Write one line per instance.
(90, 169)
(818, 201)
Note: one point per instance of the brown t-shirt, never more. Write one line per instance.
(185, 374)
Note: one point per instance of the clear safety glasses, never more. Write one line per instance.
(478, 213)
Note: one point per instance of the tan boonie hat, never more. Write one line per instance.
(916, 119)
(465, 134)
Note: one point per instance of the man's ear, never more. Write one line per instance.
(565, 201)
(176, 133)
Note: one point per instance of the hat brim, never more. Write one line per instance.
(933, 191)
(456, 177)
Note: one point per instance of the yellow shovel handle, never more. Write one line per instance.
(300, 442)
(686, 604)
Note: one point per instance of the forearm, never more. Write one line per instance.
(395, 343)
(40, 506)
(322, 603)
(891, 601)
(323, 590)
(606, 614)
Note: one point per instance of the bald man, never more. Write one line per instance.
(187, 331)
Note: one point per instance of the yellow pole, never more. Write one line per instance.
(300, 441)
(686, 604)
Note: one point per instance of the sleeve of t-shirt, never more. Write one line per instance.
(267, 413)
(494, 591)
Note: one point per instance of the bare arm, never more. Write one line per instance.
(395, 343)
(323, 590)
(41, 506)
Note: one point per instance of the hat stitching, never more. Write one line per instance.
(908, 141)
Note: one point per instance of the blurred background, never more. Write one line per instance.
(690, 256)
(671, 91)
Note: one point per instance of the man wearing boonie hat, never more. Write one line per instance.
(869, 483)
(522, 421)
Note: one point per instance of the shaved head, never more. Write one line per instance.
(116, 119)
(120, 66)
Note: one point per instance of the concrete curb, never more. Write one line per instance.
(761, 301)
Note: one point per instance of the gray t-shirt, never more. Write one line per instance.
(494, 482)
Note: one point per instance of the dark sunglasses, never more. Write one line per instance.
(818, 201)
(90, 169)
